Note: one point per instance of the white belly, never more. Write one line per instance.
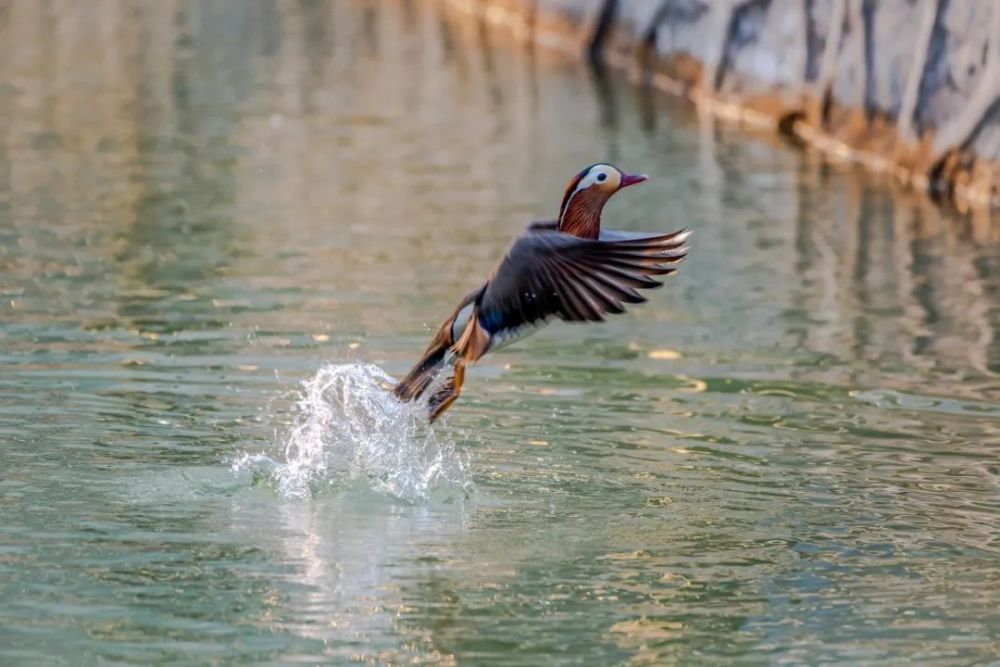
(504, 338)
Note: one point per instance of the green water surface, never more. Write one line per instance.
(790, 455)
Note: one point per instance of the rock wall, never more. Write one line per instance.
(907, 86)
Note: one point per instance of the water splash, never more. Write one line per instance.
(350, 430)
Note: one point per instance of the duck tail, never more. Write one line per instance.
(444, 351)
(413, 386)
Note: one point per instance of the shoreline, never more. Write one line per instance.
(627, 36)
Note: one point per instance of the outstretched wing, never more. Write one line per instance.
(549, 274)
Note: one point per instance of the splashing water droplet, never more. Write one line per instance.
(350, 429)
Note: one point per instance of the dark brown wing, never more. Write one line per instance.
(549, 274)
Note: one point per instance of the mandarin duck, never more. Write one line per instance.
(567, 268)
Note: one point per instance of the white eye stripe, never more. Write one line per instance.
(593, 177)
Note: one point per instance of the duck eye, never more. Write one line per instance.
(602, 177)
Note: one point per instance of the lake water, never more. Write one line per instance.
(223, 224)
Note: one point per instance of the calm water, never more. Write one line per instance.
(207, 211)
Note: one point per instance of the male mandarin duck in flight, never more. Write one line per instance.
(569, 268)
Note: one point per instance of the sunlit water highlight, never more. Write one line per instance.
(350, 429)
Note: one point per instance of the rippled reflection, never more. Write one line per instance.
(788, 455)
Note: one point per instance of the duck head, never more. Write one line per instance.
(586, 194)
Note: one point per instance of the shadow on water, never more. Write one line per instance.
(208, 209)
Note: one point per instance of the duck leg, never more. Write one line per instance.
(446, 395)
